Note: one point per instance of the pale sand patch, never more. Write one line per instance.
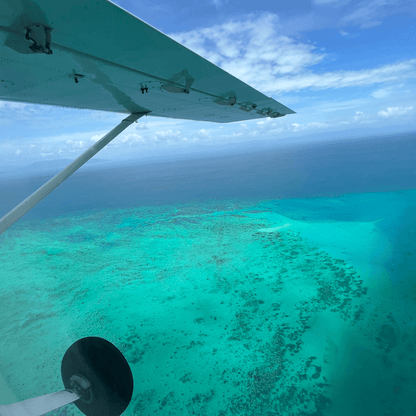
(273, 229)
(354, 242)
(6, 394)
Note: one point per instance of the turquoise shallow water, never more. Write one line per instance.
(231, 307)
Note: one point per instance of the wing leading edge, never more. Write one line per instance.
(92, 54)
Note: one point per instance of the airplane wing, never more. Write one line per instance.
(92, 54)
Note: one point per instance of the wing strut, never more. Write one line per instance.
(37, 196)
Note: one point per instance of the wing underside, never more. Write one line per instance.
(103, 58)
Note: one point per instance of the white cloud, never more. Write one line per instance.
(394, 111)
(333, 3)
(371, 13)
(341, 79)
(76, 144)
(277, 128)
(318, 107)
(168, 135)
(134, 138)
(203, 133)
(18, 151)
(308, 126)
(385, 92)
(359, 116)
(12, 105)
(254, 50)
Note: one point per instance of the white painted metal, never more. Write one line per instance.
(113, 55)
(39, 405)
(37, 196)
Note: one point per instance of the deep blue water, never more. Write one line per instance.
(329, 168)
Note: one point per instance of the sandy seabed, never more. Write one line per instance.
(297, 307)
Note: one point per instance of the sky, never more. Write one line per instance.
(347, 67)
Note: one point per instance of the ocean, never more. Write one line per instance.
(279, 281)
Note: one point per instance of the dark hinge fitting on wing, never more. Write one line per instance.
(144, 89)
(180, 78)
(248, 107)
(276, 114)
(226, 99)
(270, 113)
(41, 37)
